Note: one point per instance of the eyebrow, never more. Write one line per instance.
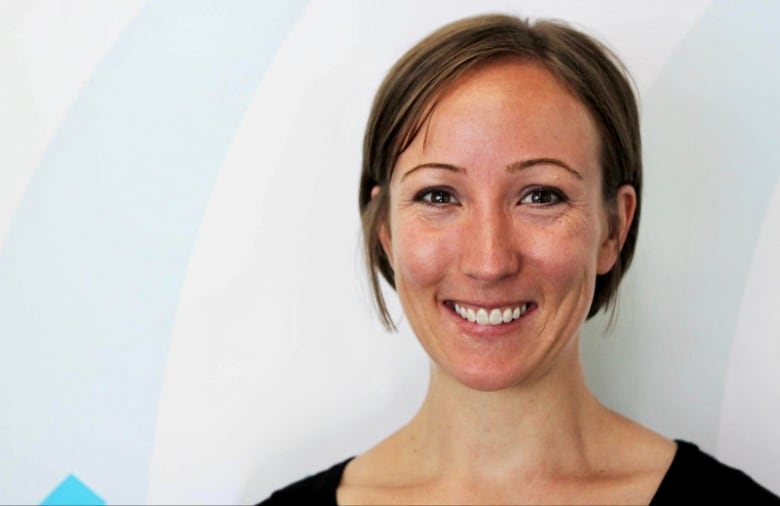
(517, 166)
(512, 167)
(434, 165)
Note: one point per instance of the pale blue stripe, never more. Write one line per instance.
(94, 262)
(711, 162)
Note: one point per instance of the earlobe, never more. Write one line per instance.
(625, 206)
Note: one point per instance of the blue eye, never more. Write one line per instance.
(436, 197)
(543, 197)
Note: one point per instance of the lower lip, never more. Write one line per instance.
(489, 330)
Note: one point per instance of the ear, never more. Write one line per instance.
(383, 231)
(619, 224)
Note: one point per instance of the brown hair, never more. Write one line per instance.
(586, 68)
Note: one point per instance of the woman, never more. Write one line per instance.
(500, 197)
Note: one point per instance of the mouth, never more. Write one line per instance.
(489, 316)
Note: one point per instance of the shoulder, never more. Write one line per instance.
(317, 489)
(697, 476)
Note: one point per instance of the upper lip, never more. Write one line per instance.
(487, 304)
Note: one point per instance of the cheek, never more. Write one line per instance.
(566, 259)
(422, 256)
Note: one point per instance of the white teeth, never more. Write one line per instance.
(493, 317)
(507, 316)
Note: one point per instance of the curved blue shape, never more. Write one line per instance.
(710, 137)
(96, 256)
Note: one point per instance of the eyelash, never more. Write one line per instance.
(555, 197)
(552, 193)
(426, 197)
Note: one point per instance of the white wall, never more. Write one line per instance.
(182, 306)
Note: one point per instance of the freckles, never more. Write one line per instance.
(565, 258)
(421, 256)
(420, 253)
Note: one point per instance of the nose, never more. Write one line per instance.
(488, 251)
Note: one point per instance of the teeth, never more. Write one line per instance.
(507, 316)
(493, 317)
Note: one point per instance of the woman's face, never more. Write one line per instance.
(496, 226)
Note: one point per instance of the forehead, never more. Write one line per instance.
(512, 108)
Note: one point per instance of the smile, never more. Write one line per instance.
(495, 316)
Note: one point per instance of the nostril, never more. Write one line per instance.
(491, 261)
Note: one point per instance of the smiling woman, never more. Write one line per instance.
(500, 197)
(518, 225)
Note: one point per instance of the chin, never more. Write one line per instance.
(506, 369)
(488, 377)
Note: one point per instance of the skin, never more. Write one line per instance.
(497, 204)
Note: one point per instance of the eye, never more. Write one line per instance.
(543, 197)
(436, 197)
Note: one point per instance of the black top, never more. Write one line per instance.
(694, 477)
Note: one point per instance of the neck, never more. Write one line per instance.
(549, 424)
